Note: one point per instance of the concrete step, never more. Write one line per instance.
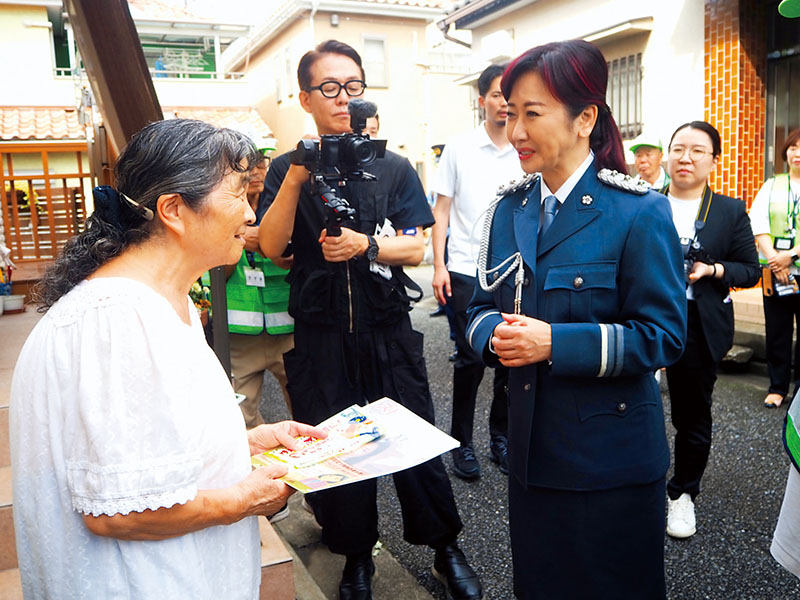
(8, 541)
(10, 585)
(277, 578)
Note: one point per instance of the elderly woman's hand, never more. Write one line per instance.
(263, 493)
(266, 437)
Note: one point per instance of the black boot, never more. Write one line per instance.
(356, 583)
(451, 568)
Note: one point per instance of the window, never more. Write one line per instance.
(625, 94)
(374, 60)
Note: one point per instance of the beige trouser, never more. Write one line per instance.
(251, 355)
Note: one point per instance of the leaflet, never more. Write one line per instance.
(363, 442)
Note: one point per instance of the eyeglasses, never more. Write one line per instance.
(695, 153)
(332, 89)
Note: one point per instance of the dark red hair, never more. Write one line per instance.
(576, 74)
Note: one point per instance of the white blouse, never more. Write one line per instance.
(119, 406)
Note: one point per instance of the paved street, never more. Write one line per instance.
(729, 556)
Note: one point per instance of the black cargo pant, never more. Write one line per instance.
(329, 370)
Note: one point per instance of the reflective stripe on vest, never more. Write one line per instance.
(245, 319)
(278, 320)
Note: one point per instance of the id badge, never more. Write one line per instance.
(784, 243)
(254, 277)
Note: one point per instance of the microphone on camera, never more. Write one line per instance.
(362, 109)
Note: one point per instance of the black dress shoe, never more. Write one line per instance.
(451, 568)
(439, 312)
(465, 465)
(356, 581)
(499, 453)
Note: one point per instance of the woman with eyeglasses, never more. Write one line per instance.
(719, 254)
(774, 218)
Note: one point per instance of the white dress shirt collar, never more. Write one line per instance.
(566, 188)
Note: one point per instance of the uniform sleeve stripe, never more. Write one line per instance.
(603, 350)
(478, 322)
(619, 349)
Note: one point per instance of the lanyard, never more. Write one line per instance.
(792, 206)
(702, 212)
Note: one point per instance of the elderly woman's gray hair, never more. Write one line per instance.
(178, 156)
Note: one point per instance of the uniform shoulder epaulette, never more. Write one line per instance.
(514, 186)
(623, 181)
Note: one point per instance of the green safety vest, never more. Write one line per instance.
(251, 309)
(778, 211)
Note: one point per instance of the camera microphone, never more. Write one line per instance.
(362, 109)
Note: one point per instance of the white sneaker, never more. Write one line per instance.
(681, 521)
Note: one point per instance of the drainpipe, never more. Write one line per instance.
(314, 8)
(444, 28)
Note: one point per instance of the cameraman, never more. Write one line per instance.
(353, 337)
(719, 253)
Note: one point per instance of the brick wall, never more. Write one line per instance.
(735, 92)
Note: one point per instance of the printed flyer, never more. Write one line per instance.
(363, 442)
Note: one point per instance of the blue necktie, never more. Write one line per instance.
(550, 209)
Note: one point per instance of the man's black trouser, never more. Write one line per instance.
(330, 370)
(691, 382)
(780, 314)
(468, 372)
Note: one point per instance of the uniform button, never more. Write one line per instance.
(527, 387)
(577, 283)
(622, 407)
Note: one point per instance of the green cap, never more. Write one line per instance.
(645, 139)
(789, 9)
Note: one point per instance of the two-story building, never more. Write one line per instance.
(51, 137)
(734, 63)
(410, 69)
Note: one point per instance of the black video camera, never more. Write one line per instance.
(335, 159)
(693, 252)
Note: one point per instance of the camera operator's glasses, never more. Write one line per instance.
(695, 154)
(332, 89)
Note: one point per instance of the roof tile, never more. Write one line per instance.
(39, 123)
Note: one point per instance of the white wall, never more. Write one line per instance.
(27, 68)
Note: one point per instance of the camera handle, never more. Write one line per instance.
(337, 210)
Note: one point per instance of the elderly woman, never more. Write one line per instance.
(595, 304)
(130, 459)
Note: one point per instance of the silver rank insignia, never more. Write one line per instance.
(623, 181)
(587, 200)
(513, 186)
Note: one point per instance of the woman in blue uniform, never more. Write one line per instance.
(581, 293)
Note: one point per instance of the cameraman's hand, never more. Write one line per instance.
(343, 247)
(297, 175)
(700, 270)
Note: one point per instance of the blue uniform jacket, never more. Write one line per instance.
(608, 277)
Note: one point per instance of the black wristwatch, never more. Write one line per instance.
(372, 249)
(795, 258)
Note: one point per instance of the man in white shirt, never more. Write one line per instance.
(648, 154)
(473, 166)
